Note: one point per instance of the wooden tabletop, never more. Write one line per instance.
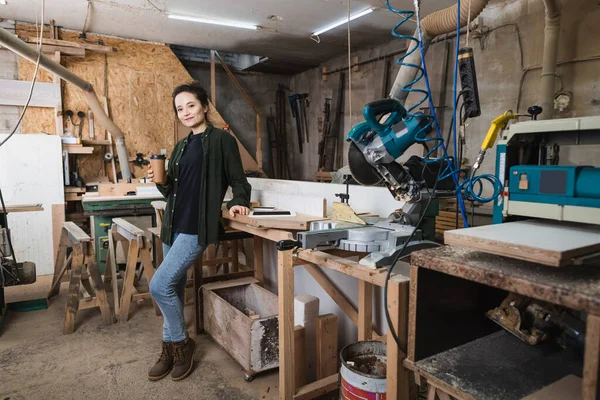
(299, 222)
(575, 287)
(22, 208)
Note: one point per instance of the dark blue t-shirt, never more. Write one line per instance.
(185, 219)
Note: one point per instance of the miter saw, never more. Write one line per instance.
(385, 135)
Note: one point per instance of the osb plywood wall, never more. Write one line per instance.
(140, 80)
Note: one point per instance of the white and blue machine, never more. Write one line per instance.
(541, 179)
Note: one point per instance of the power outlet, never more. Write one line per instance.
(468, 80)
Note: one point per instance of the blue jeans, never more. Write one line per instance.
(168, 284)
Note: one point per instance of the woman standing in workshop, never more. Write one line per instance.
(201, 167)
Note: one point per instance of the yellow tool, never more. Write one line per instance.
(497, 125)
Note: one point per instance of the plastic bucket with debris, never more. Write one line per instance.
(363, 371)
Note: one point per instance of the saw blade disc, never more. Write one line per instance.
(360, 168)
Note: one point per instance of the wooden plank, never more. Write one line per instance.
(127, 292)
(347, 267)
(576, 287)
(274, 235)
(15, 93)
(58, 107)
(90, 302)
(306, 311)
(412, 313)
(300, 363)
(259, 272)
(285, 285)
(229, 283)
(318, 388)
(298, 222)
(78, 150)
(127, 227)
(58, 219)
(23, 208)
(88, 46)
(591, 367)
(545, 242)
(569, 387)
(327, 345)
(437, 383)
(397, 378)
(73, 299)
(76, 234)
(100, 293)
(219, 319)
(365, 310)
(146, 258)
(213, 79)
(332, 291)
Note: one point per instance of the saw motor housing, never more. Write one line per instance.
(375, 146)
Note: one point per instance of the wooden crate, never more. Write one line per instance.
(445, 221)
(253, 341)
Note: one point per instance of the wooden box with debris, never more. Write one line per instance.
(243, 320)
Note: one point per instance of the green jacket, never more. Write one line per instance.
(221, 167)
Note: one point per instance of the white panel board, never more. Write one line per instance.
(31, 173)
(15, 93)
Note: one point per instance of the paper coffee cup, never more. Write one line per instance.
(157, 161)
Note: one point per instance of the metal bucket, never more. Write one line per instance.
(363, 371)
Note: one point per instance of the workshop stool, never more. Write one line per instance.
(82, 267)
(138, 247)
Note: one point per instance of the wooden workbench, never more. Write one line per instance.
(276, 229)
(453, 287)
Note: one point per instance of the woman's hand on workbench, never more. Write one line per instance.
(238, 210)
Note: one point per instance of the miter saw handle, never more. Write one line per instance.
(374, 110)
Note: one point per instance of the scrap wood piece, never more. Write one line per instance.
(546, 242)
(327, 345)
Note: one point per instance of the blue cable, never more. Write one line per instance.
(422, 73)
(466, 188)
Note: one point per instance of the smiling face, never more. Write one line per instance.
(189, 110)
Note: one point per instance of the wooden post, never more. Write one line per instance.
(127, 292)
(213, 79)
(258, 142)
(327, 343)
(198, 299)
(300, 362)
(397, 380)
(591, 368)
(259, 273)
(74, 284)
(365, 310)
(285, 272)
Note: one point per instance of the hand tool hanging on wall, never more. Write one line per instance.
(281, 133)
(296, 114)
(323, 154)
(304, 104)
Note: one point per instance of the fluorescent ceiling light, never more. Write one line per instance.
(234, 24)
(343, 21)
(2, 1)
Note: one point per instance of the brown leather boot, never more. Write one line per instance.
(183, 353)
(164, 364)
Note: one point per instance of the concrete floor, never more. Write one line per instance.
(110, 362)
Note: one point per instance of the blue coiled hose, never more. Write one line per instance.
(471, 187)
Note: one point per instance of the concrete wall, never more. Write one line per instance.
(234, 108)
(8, 70)
(499, 69)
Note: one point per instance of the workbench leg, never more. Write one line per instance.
(198, 300)
(259, 273)
(235, 254)
(365, 310)
(148, 270)
(100, 292)
(127, 293)
(591, 367)
(285, 276)
(74, 283)
(398, 379)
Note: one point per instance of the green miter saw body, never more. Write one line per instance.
(375, 146)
